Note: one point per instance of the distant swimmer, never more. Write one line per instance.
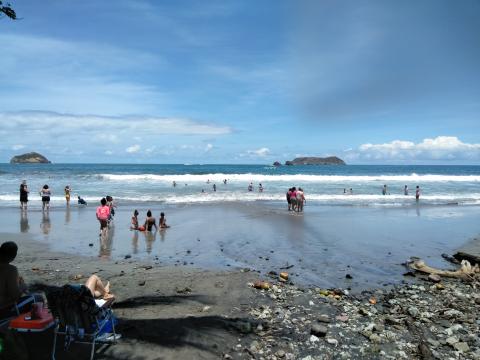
(250, 187)
(208, 181)
(417, 193)
(214, 187)
(344, 191)
(384, 190)
(81, 201)
(174, 184)
(405, 190)
(225, 181)
(351, 191)
(260, 187)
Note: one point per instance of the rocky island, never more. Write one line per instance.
(30, 158)
(311, 160)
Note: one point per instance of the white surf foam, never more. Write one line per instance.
(295, 178)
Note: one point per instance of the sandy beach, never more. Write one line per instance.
(187, 293)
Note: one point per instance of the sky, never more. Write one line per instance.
(372, 82)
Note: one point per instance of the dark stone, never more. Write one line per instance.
(348, 276)
(318, 330)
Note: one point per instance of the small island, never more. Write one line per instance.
(311, 160)
(30, 158)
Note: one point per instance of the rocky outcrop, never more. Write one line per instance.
(331, 160)
(277, 163)
(30, 158)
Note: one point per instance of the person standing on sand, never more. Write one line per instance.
(68, 190)
(45, 193)
(103, 213)
(23, 195)
(405, 190)
(417, 193)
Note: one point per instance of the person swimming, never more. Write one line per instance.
(81, 201)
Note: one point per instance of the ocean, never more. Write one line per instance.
(140, 184)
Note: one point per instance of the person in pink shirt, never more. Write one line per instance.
(103, 212)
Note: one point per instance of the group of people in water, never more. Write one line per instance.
(405, 191)
(295, 199)
(149, 223)
(45, 193)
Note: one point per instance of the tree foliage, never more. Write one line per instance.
(6, 10)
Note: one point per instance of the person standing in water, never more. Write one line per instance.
(214, 187)
(150, 222)
(134, 225)
(384, 190)
(45, 193)
(405, 190)
(417, 193)
(68, 190)
(23, 195)
(103, 213)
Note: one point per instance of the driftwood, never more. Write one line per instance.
(466, 270)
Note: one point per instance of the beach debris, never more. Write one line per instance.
(348, 276)
(466, 270)
(147, 267)
(141, 283)
(284, 276)
(372, 301)
(77, 277)
(434, 278)
(286, 267)
(264, 285)
(450, 259)
(128, 256)
(90, 244)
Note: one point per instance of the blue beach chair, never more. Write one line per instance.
(80, 319)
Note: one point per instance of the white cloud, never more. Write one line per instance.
(439, 148)
(262, 152)
(48, 122)
(108, 152)
(208, 147)
(133, 149)
(17, 147)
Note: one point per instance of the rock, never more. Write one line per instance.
(284, 275)
(323, 318)
(452, 340)
(277, 163)
(332, 341)
(128, 256)
(434, 278)
(424, 351)
(91, 244)
(413, 311)
(348, 276)
(313, 339)
(261, 285)
(375, 338)
(280, 354)
(318, 330)
(331, 160)
(141, 283)
(244, 327)
(342, 317)
(29, 158)
(461, 346)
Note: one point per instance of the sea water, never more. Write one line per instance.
(140, 184)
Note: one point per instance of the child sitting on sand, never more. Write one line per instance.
(163, 221)
(134, 225)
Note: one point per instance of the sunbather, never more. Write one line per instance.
(98, 290)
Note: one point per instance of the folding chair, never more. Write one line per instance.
(80, 319)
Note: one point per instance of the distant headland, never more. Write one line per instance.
(30, 158)
(312, 160)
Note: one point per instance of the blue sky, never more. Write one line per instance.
(242, 81)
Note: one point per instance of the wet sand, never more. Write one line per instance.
(323, 244)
